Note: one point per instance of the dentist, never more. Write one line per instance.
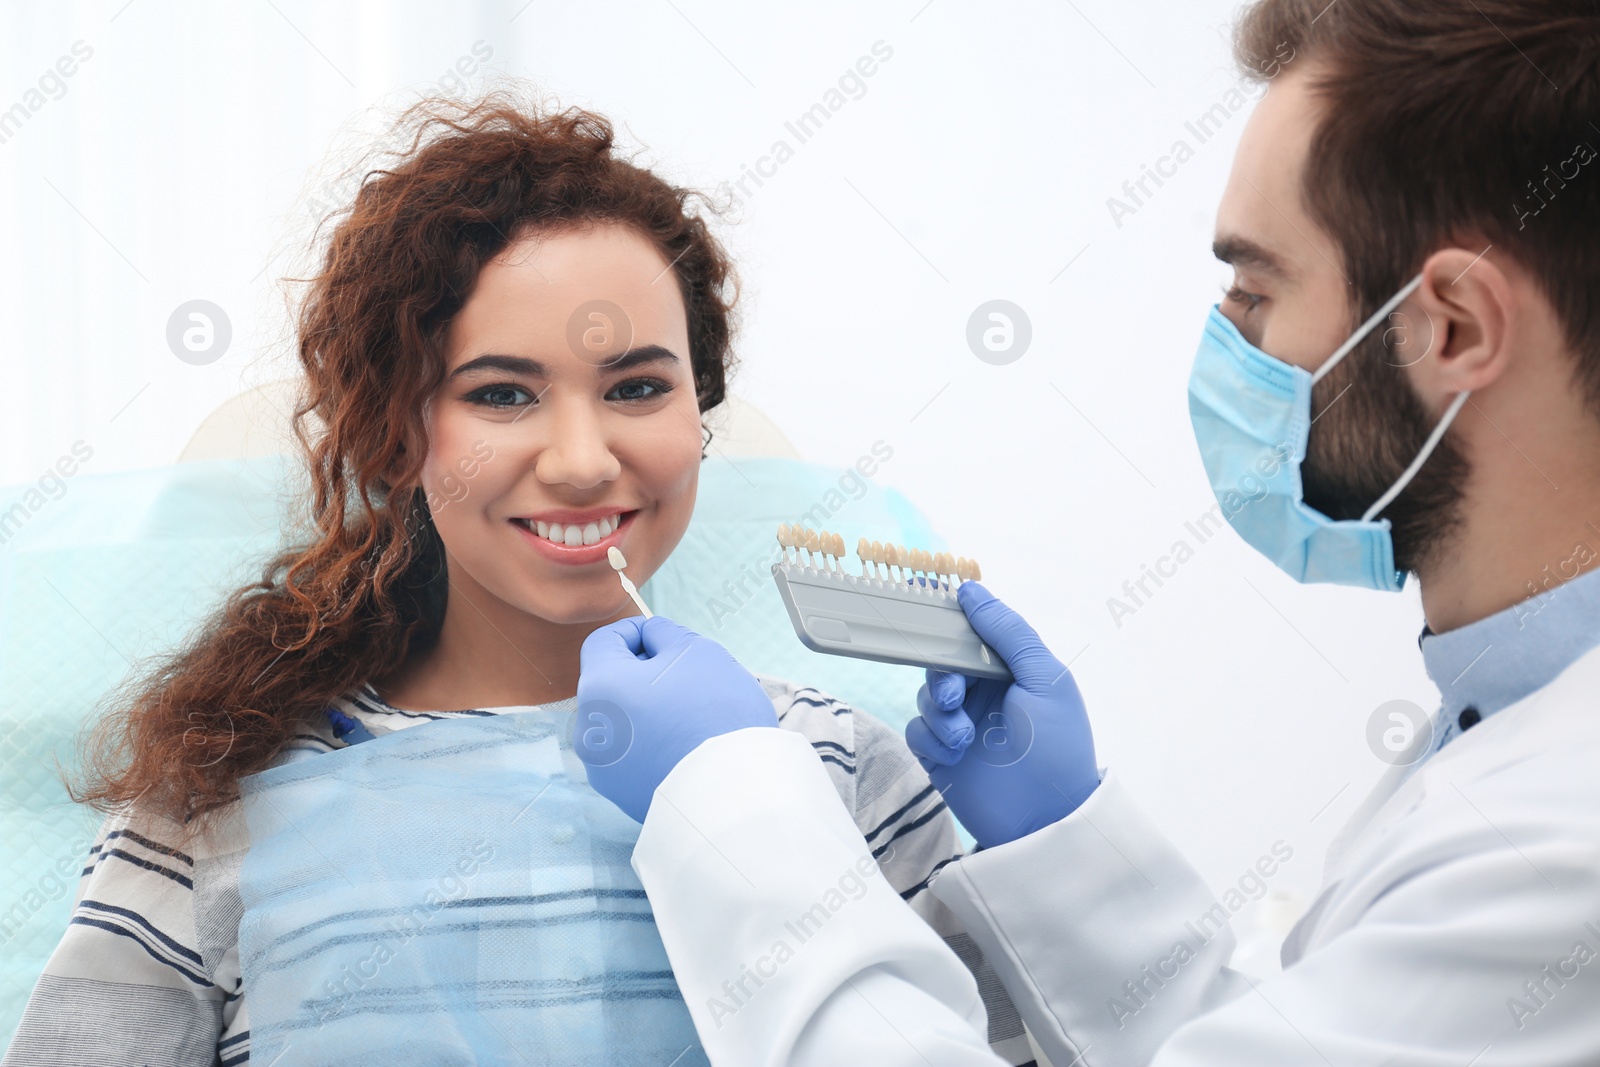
(1412, 220)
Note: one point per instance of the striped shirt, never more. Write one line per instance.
(148, 970)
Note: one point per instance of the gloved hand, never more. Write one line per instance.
(1009, 758)
(649, 692)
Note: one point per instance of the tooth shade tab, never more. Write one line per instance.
(828, 545)
(614, 556)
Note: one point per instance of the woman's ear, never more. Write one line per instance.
(394, 470)
(1469, 303)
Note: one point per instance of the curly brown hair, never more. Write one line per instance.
(368, 590)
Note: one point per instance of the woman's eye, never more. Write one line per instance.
(1251, 301)
(637, 389)
(500, 395)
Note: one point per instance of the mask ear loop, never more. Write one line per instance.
(1422, 457)
(1366, 328)
(1438, 431)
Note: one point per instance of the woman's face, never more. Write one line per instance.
(567, 424)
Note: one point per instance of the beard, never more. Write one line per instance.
(1367, 428)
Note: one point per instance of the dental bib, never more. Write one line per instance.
(451, 893)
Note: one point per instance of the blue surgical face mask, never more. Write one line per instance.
(1252, 418)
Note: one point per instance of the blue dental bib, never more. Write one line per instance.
(450, 893)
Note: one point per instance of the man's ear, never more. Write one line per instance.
(1468, 303)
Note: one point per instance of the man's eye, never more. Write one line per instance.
(1250, 300)
(499, 395)
(635, 390)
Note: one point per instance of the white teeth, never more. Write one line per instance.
(576, 534)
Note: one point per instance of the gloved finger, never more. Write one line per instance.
(949, 689)
(952, 726)
(1033, 665)
(609, 642)
(659, 634)
(928, 748)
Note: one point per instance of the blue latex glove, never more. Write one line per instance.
(649, 692)
(1008, 757)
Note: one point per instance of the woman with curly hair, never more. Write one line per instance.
(509, 346)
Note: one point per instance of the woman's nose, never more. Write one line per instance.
(578, 452)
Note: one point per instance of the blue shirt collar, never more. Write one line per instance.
(1491, 664)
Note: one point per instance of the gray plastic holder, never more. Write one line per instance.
(884, 620)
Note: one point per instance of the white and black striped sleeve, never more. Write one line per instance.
(127, 983)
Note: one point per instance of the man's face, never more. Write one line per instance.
(1290, 298)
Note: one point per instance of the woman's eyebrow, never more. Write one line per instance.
(635, 357)
(501, 362)
(533, 368)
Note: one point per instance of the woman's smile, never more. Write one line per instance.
(575, 536)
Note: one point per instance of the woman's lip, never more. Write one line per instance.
(576, 554)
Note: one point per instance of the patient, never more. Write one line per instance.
(511, 341)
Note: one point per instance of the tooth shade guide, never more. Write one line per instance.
(921, 570)
(884, 613)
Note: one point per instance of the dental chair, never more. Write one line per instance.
(98, 571)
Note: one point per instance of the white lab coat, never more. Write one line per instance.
(1459, 923)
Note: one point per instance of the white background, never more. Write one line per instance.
(181, 158)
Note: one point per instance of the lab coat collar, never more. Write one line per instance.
(1557, 713)
(1490, 665)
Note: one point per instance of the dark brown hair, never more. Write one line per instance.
(368, 589)
(1447, 121)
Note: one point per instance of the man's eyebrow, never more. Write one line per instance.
(533, 368)
(1243, 252)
